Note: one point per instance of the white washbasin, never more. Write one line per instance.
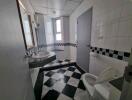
(41, 55)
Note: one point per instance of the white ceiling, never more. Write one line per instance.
(55, 8)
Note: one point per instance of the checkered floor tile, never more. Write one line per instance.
(63, 84)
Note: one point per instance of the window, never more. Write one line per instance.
(58, 30)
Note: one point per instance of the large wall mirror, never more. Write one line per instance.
(26, 26)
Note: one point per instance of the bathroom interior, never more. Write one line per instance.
(55, 60)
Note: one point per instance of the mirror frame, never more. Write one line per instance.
(22, 27)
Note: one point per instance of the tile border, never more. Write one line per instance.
(120, 55)
(34, 49)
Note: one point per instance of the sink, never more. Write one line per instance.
(41, 58)
(40, 55)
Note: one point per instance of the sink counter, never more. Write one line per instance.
(33, 63)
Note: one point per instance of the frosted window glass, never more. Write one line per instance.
(58, 25)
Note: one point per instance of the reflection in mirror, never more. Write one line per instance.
(27, 26)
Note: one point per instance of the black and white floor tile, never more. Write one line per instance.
(63, 84)
(59, 62)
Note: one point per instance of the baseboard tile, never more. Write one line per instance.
(80, 69)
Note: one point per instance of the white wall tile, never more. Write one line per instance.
(124, 44)
(127, 9)
(110, 30)
(110, 43)
(125, 28)
(101, 62)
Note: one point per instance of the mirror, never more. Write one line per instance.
(26, 26)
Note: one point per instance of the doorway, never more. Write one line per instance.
(84, 23)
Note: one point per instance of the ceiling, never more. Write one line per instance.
(55, 8)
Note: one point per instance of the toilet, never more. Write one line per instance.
(98, 88)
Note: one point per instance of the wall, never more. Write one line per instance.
(111, 29)
(15, 80)
(85, 5)
(49, 32)
(66, 36)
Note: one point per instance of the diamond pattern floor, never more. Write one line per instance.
(63, 84)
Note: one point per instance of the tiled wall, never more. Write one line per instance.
(111, 29)
(112, 22)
